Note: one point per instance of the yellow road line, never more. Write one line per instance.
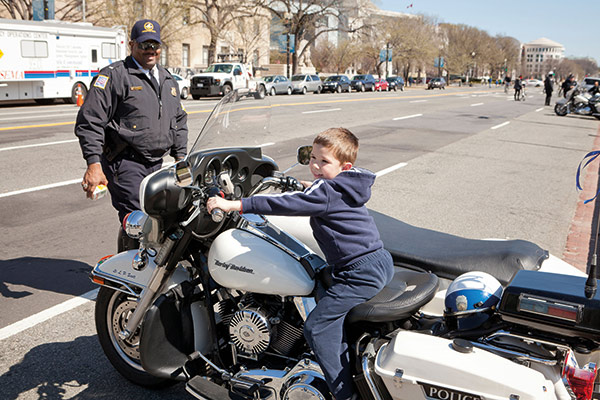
(275, 105)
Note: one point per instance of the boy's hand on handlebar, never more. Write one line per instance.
(223, 204)
(306, 184)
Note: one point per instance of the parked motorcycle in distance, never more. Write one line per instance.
(578, 101)
(219, 300)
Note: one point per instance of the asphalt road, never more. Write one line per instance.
(468, 161)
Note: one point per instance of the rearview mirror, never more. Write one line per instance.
(183, 174)
(304, 153)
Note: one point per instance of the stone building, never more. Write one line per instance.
(536, 55)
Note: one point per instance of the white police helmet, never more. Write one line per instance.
(470, 300)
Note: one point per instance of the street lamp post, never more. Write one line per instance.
(287, 22)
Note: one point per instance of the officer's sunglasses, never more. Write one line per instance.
(148, 46)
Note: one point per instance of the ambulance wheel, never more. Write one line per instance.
(73, 98)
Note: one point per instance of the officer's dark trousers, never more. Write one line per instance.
(548, 98)
(124, 175)
(324, 328)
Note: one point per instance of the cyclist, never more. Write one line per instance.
(506, 84)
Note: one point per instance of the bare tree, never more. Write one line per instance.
(321, 56)
(18, 9)
(306, 20)
(414, 42)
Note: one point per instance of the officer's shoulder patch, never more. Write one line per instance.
(101, 81)
(174, 91)
(136, 88)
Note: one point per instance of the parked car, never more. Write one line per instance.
(382, 85)
(364, 82)
(439, 83)
(184, 85)
(303, 83)
(395, 82)
(533, 82)
(278, 84)
(337, 83)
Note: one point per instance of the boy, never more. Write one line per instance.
(348, 237)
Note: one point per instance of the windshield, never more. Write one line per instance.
(332, 79)
(225, 68)
(236, 121)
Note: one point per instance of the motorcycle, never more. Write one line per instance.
(219, 300)
(578, 101)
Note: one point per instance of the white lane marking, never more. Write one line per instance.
(476, 104)
(539, 109)
(35, 189)
(38, 145)
(408, 116)
(266, 144)
(501, 125)
(45, 315)
(418, 101)
(320, 111)
(390, 169)
(59, 115)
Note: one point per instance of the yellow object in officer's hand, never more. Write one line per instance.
(99, 192)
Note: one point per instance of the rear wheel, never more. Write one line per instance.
(304, 90)
(373, 88)
(196, 96)
(113, 309)
(289, 91)
(74, 90)
(560, 110)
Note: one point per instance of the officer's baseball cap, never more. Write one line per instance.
(144, 30)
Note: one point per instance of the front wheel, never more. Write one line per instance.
(304, 90)
(289, 91)
(273, 92)
(113, 309)
(560, 110)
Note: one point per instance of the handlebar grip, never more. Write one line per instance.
(217, 215)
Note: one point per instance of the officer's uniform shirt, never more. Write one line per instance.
(123, 110)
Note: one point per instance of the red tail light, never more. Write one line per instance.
(581, 380)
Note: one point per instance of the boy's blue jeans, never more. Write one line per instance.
(324, 328)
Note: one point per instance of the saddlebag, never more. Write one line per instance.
(168, 332)
(552, 303)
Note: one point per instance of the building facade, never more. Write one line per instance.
(538, 56)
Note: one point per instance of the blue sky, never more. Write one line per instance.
(574, 23)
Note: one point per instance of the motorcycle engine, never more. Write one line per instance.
(250, 331)
(260, 325)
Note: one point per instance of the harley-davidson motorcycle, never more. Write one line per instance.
(578, 101)
(219, 300)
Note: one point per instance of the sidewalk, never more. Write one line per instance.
(515, 182)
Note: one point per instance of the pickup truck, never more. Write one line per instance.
(221, 78)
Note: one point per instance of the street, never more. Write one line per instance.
(467, 161)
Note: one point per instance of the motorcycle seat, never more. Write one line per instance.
(449, 256)
(399, 299)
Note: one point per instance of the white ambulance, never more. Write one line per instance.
(48, 60)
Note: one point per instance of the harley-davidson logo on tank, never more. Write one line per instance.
(442, 393)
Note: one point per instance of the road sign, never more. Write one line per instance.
(282, 41)
(382, 55)
(438, 62)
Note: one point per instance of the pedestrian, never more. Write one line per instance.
(548, 88)
(132, 117)
(518, 87)
(348, 237)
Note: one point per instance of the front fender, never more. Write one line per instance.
(117, 272)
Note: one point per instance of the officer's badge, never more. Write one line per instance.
(101, 81)
(174, 91)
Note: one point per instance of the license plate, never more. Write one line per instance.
(442, 393)
(199, 84)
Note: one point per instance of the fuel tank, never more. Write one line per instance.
(419, 366)
(241, 260)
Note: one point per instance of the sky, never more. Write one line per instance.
(573, 23)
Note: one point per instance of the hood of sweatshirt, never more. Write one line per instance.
(354, 185)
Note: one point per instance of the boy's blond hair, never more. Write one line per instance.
(342, 143)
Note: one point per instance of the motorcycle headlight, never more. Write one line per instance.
(133, 224)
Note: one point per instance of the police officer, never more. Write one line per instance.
(132, 117)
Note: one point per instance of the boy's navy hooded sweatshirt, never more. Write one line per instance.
(341, 224)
